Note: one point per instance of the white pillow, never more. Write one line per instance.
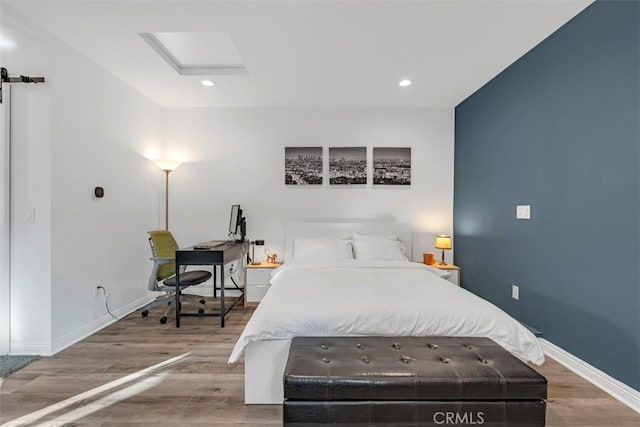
(360, 236)
(379, 249)
(321, 248)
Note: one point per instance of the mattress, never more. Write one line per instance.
(378, 298)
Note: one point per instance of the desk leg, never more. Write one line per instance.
(215, 279)
(222, 296)
(177, 297)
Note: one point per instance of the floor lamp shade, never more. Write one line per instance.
(167, 166)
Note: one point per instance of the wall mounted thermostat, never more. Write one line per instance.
(98, 192)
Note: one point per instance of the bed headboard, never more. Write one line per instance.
(342, 230)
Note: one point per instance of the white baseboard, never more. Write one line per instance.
(46, 349)
(620, 391)
(93, 327)
(49, 349)
(30, 349)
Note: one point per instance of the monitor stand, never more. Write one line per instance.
(243, 230)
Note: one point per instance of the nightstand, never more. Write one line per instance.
(258, 276)
(453, 269)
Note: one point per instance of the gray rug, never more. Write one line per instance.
(11, 364)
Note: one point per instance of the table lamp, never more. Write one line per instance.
(443, 241)
(255, 243)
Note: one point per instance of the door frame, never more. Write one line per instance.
(5, 221)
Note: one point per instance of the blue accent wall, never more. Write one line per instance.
(559, 130)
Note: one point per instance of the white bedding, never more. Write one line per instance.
(388, 298)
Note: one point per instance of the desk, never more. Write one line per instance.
(217, 258)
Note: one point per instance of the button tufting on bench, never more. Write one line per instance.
(406, 359)
(481, 377)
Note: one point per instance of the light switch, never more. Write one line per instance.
(523, 212)
(30, 215)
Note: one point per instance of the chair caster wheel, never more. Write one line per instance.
(145, 313)
(163, 320)
(201, 311)
(201, 301)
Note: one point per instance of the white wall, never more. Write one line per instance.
(237, 156)
(30, 254)
(85, 128)
(81, 129)
(31, 284)
(102, 131)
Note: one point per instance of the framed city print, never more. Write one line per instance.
(392, 165)
(347, 165)
(303, 165)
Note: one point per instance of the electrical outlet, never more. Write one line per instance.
(96, 289)
(515, 292)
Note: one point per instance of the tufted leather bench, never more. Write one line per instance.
(409, 381)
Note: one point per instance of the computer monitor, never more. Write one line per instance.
(235, 219)
(237, 224)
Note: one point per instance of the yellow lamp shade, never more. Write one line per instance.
(443, 241)
(167, 165)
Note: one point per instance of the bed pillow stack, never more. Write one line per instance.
(373, 247)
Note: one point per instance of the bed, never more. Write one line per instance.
(338, 296)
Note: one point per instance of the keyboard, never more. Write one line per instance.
(209, 245)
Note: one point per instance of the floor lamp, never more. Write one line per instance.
(167, 166)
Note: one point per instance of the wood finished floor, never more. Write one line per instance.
(204, 389)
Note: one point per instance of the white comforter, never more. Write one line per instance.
(388, 298)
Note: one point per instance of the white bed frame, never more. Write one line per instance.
(264, 361)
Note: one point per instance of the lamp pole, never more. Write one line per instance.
(167, 166)
(166, 198)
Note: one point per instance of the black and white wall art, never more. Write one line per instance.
(347, 165)
(392, 166)
(303, 165)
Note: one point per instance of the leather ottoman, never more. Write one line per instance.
(409, 381)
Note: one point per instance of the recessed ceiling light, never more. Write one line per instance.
(207, 83)
(405, 83)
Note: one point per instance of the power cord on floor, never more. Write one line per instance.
(106, 301)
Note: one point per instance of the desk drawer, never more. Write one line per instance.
(256, 292)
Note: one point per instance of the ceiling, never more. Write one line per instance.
(310, 53)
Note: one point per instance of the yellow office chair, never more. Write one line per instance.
(163, 249)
